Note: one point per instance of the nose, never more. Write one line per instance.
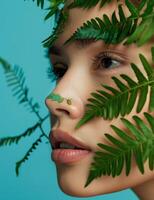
(68, 106)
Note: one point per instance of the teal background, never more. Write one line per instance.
(22, 29)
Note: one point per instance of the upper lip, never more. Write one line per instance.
(56, 136)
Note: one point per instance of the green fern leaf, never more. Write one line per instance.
(88, 116)
(16, 139)
(133, 10)
(150, 74)
(112, 159)
(148, 12)
(142, 4)
(28, 153)
(51, 12)
(122, 101)
(121, 14)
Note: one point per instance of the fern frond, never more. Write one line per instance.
(140, 144)
(111, 31)
(86, 4)
(16, 139)
(39, 3)
(16, 79)
(28, 153)
(122, 100)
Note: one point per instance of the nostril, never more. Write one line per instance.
(62, 110)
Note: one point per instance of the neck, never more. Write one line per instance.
(145, 191)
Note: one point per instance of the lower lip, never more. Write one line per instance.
(68, 155)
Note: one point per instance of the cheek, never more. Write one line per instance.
(72, 179)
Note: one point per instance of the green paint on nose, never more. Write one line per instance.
(55, 97)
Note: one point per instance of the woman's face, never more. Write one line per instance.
(88, 64)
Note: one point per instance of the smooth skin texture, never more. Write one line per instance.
(82, 77)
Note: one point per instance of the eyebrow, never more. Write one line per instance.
(81, 43)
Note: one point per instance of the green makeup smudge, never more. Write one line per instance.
(55, 97)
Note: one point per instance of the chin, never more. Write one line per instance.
(72, 178)
(75, 187)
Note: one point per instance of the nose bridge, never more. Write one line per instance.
(69, 91)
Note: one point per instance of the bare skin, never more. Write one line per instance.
(81, 78)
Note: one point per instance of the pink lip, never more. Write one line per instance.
(68, 155)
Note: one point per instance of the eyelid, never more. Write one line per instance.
(115, 55)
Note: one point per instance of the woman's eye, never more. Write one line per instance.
(106, 60)
(57, 71)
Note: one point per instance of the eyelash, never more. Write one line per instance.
(56, 73)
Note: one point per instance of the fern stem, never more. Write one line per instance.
(33, 109)
(43, 119)
(40, 126)
(43, 133)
